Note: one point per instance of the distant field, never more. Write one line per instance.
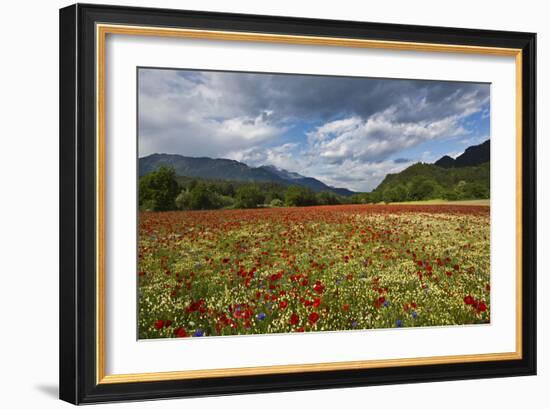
(478, 202)
(258, 271)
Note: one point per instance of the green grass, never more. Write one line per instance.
(476, 202)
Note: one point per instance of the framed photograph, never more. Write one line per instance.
(257, 203)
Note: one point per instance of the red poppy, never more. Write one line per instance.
(283, 304)
(319, 287)
(481, 307)
(379, 302)
(469, 300)
(195, 306)
(345, 307)
(313, 318)
(159, 324)
(167, 323)
(225, 261)
(317, 302)
(301, 329)
(180, 333)
(449, 273)
(294, 319)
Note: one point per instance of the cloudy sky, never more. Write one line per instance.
(346, 132)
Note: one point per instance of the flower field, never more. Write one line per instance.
(332, 268)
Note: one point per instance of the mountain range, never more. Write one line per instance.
(227, 169)
(472, 156)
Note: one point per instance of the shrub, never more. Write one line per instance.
(276, 203)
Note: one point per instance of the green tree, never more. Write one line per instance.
(202, 198)
(460, 190)
(423, 188)
(450, 194)
(360, 198)
(476, 190)
(248, 196)
(158, 190)
(372, 197)
(398, 193)
(299, 196)
(271, 195)
(327, 198)
(183, 200)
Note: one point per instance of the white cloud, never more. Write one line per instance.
(283, 156)
(377, 137)
(356, 175)
(178, 115)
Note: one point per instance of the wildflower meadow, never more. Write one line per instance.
(318, 268)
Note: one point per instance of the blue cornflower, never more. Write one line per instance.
(198, 333)
(414, 314)
(386, 303)
(354, 324)
(399, 323)
(261, 316)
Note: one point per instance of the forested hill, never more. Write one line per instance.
(466, 177)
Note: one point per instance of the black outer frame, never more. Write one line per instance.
(78, 198)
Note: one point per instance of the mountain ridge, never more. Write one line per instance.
(229, 169)
(473, 155)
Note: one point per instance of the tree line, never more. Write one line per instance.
(163, 190)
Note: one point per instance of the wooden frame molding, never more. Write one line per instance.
(103, 30)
